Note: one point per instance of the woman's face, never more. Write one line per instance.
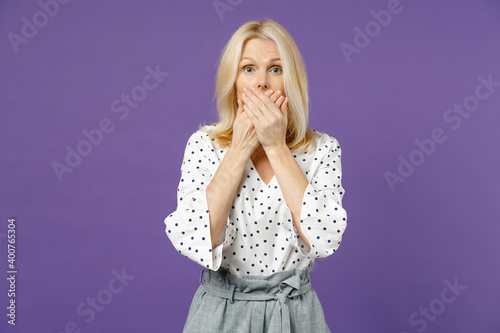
(259, 67)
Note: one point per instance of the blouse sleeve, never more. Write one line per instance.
(322, 218)
(188, 227)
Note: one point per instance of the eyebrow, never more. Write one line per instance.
(271, 60)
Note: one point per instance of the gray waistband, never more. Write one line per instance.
(280, 296)
(290, 287)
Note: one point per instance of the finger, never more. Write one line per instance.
(274, 97)
(284, 106)
(239, 112)
(249, 112)
(250, 107)
(284, 111)
(264, 103)
(280, 101)
(259, 100)
(269, 92)
(250, 115)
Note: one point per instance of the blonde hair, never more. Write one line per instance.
(299, 136)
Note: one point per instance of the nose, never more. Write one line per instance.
(263, 85)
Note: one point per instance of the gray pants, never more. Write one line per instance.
(278, 303)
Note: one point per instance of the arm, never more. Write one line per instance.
(292, 182)
(222, 189)
(314, 217)
(196, 227)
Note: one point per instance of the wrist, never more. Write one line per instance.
(238, 152)
(276, 149)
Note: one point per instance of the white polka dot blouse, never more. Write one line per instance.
(260, 237)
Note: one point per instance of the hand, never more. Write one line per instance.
(244, 134)
(268, 113)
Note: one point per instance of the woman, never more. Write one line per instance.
(260, 193)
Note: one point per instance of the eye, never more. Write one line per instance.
(273, 69)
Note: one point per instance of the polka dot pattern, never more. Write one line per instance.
(259, 237)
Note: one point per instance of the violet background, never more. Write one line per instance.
(399, 246)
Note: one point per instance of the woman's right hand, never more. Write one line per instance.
(244, 133)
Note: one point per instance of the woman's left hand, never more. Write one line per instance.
(268, 115)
